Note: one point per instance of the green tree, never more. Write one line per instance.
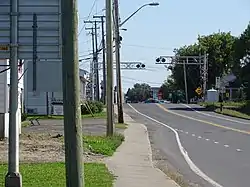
(220, 50)
(241, 58)
(139, 92)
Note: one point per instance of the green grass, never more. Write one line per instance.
(53, 175)
(233, 113)
(102, 144)
(41, 117)
(25, 124)
(234, 109)
(121, 126)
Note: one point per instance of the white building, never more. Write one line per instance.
(48, 103)
(4, 97)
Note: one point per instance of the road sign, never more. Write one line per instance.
(39, 29)
(198, 91)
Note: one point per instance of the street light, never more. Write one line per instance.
(148, 4)
(117, 54)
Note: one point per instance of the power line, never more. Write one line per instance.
(91, 10)
(148, 47)
(141, 80)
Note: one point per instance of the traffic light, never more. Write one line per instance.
(141, 66)
(160, 60)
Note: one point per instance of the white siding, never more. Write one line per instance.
(3, 88)
(38, 102)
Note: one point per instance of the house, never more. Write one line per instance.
(48, 99)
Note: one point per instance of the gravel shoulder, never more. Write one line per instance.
(44, 142)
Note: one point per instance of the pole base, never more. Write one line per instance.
(13, 180)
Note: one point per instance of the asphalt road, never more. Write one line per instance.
(218, 145)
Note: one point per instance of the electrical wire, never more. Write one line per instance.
(91, 10)
(147, 47)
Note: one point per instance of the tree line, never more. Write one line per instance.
(226, 54)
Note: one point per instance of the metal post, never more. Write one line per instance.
(185, 79)
(205, 70)
(13, 177)
(96, 66)
(47, 103)
(92, 66)
(71, 96)
(118, 64)
(103, 61)
(34, 51)
(109, 51)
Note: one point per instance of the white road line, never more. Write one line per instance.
(192, 166)
(226, 145)
(193, 134)
(239, 150)
(219, 117)
(207, 139)
(181, 130)
(199, 137)
(186, 132)
(216, 142)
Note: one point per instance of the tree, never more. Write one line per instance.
(242, 60)
(139, 92)
(219, 47)
(168, 87)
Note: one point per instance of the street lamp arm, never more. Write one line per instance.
(121, 24)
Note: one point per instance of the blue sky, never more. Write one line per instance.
(156, 31)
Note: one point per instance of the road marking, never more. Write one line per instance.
(216, 142)
(239, 150)
(199, 137)
(193, 134)
(203, 121)
(192, 166)
(186, 132)
(219, 117)
(207, 139)
(226, 145)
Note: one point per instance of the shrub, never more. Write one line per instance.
(94, 106)
(24, 116)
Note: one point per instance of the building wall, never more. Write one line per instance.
(40, 103)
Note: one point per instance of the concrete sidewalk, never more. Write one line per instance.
(132, 163)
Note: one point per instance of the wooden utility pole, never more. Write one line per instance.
(118, 64)
(109, 52)
(71, 96)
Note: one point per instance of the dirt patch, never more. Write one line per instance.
(40, 143)
(38, 147)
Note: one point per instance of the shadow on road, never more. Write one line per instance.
(189, 109)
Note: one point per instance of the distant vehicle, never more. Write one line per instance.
(152, 101)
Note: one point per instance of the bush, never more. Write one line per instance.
(94, 106)
(24, 116)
